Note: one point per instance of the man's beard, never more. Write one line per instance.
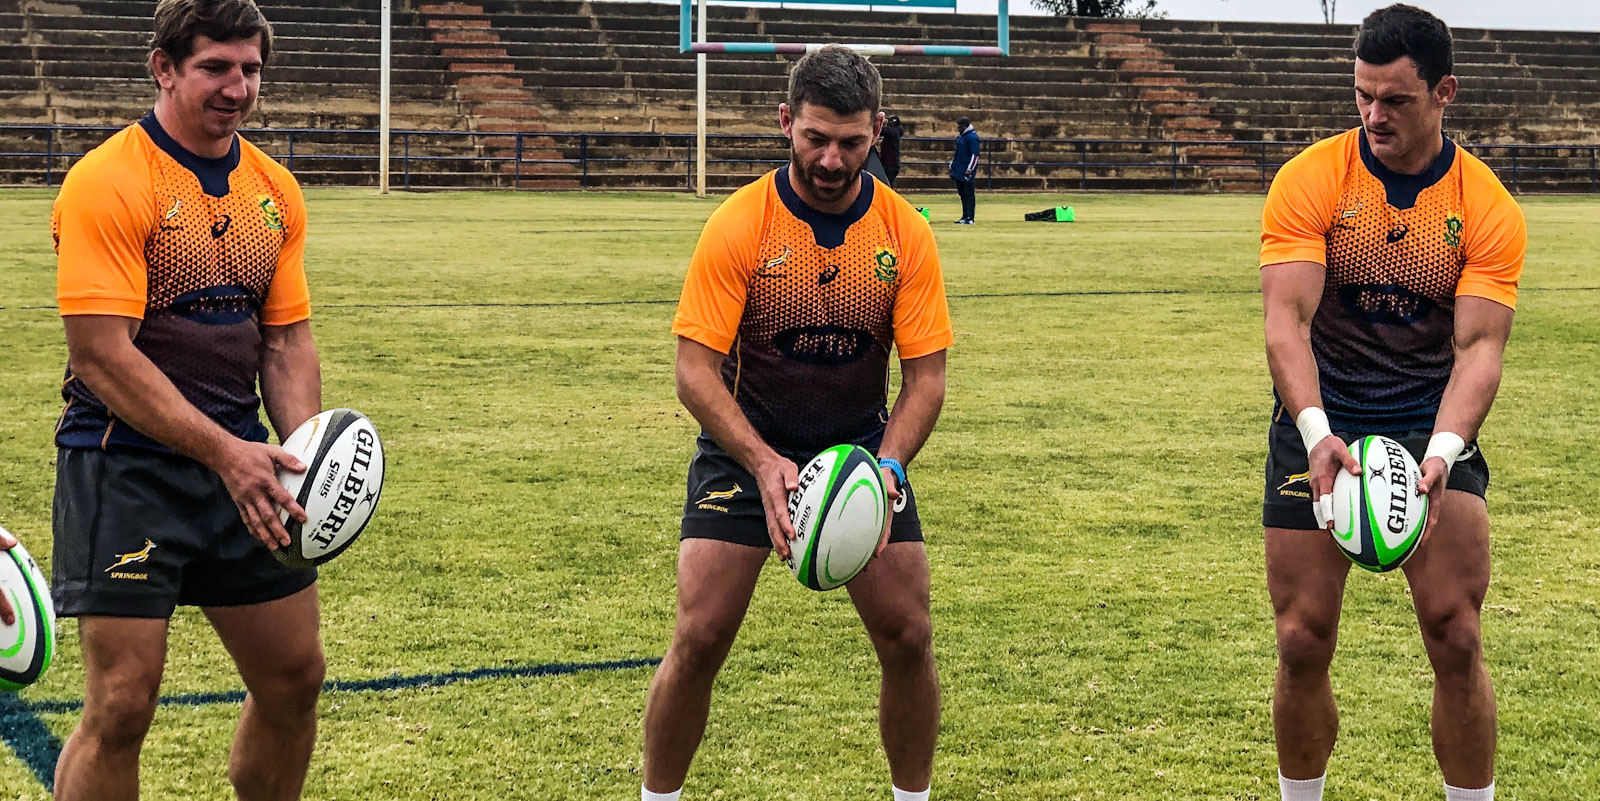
(808, 174)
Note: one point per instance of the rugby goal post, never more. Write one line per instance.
(701, 47)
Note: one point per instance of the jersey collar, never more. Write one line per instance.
(213, 173)
(827, 229)
(1402, 189)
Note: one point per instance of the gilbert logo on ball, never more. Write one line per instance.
(1378, 516)
(339, 489)
(838, 513)
(29, 643)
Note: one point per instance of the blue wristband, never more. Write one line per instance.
(895, 467)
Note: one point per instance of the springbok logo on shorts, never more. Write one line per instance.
(141, 555)
(718, 495)
(1283, 489)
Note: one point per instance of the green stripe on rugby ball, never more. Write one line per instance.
(1378, 516)
(830, 485)
(27, 647)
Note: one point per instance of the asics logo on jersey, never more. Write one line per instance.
(1396, 234)
(220, 228)
(141, 555)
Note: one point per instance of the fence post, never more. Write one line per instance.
(405, 140)
(516, 165)
(583, 157)
(49, 156)
(1516, 169)
(1263, 164)
(1591, 168)
(988, 170)
(1174, 165)
(1083, 166)
(688, 166)
(290, 165)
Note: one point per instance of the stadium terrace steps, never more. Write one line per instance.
(534, 67)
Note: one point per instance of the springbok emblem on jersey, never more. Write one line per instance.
(141, 555)
(774, 263)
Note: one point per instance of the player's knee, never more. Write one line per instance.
(1454, 640)
(291, 689)
(703, 641)
(1305, 647)
(906, 640)
(118, 716)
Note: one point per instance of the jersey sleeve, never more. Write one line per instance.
(712, 302)
(1496, 242)
(101, 221)
(1294, 222)
(289, 296)
(921, 312)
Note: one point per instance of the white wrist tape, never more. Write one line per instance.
(1447, 446)
(1313, 425)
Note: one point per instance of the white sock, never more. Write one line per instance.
(1460, 794)
(1301, 789)
(907, 795)
(646, 795)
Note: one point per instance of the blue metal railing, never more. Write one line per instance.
(434, 158)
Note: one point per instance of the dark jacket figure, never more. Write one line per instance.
(889, 152)
(964, 168)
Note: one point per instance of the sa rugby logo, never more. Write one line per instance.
(1452, 230)
(888, 267)
(269, 212)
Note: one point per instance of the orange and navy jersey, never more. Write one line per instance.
(1398, 249)
(202, 251)
(807, 306)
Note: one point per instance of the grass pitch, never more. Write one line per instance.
(1091, 498)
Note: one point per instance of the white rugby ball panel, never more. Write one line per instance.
(28, 645)
(340, 488)
(838, 512)
(1378, 516)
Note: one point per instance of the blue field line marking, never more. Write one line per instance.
(27, 736)
(33, 742)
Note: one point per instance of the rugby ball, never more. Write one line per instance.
(838, 513)
(27, 645)
(1378, 516)
(339, 489)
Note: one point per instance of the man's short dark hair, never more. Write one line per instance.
(178, 22)
(838, 78)
(1402, 30)
(962, 122)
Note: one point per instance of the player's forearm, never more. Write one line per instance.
(916, 410)
(702, 393)
(1467, 397)
(139, 394)
(291, 376)
(1293, 367)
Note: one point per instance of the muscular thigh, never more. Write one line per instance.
(1305, 575)
(894, 589)
(716, 579)
(1450, 570)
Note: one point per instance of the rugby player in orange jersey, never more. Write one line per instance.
(801, 285)
(182, 288)
(1389, 266)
